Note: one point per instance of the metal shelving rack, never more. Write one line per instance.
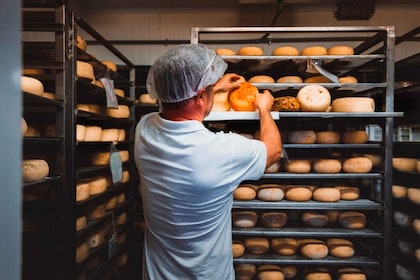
(373, 65)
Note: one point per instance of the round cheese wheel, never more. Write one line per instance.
(34, 170)
(317, 250)
(125, 176)
(402, 219)
(100, 158)
(83, 107)
(289, 271)
(353, 105)
(285, 51)
(347, 80)
(413, 194)
(318, 275)
(352, 220)
(125, 156)
(23, 126)
(357, 165)
(245, 192)
(418, 166)
(348, 193)
(31, 85)
(97, 186)
(119, 92)
(317, 79)
(290, 79)
(109, 134)
(96, 239)
(238, 248)
(121, 198)
(32, 71)
(399, 191)
(121, 219)
(375, 159)
(328, 137)
(221, 102)
(250, 50)
(93, 133)
(298, 193)
(243, 98)
(273, 219)
(350, 273)
(257, 245)
(224, 51)
(354, 137)
(244, 271)
(122, 238)
(284, 246)
(332, 216)
(274, 168)
(312, 219)
(81, 43)
(97, 212)
(48, 95)
(96, 109)
(110, 65)
(244, 219)
(286, 104)
(314, 98)
(269, 272)
(123, 112)
(82, 191)
(261, 79)
(326, 166)
(301, 137)
(326, 194)
(81, 223)
(85, 70)
(146, 98)
(121, 134)
(340, 248)
(416, 225)
(341, 50)
(82, 252)
(270, 193)
(404, 164)
(298, 166)
(314, 50)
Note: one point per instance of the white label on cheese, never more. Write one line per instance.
(111, 98)
(115, 163)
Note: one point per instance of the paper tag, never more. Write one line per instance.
(112, 246)
(111, 98)
(115, 163)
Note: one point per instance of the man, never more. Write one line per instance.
(188, 173)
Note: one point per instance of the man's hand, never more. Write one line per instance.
(264, 101)
(228, 82)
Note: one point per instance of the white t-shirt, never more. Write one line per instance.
(187, 176)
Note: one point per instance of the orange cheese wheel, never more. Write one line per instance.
(399, 191)
(290, 79)
(85, 70)
(81, 223)
(298, 193)
(340, 248)
(413, 194)
(357, 165)
(284, 246)
(317, 250)
(348, 193)
(404, 164)
(352, 220)
(123, 112)
(350, 273)
(97, 186)
(340, 50)
(243, 98)
(32, 85)
(328, 137)
(326, 194)
(238, 248)
(314, 50)
(245, 192)
(347, 80)
(97, 212)
(261, 79)
(109, 134)
(82, 252)
(316, 220)
(326, 166)
(285, 51)
(354, 137)
(119, 92)
(317, 79)
(82, 191)
(93, 133)
(250, 50)
(300, 166)
(257, 245)
(269, 272)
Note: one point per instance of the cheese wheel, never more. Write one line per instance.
(31, 85)
(289, 271)
(270, 193)
(318, 275)
(353, 105)
(123, 112)
(314, 98)
(352, 220)
(298, 193)
(326, 194)
(340, 50)
(85, 70)
(121, 219)
(34, 170)
(274, 168)
(119, 92)
(418, 166)
(238, 248)
(347, 80)
(93, 133)
(110, 65)
(81, 43)
(351, 274)
(221, 102)
(348, 193)
(289, 79)
(413, 194)
(97, 186)
(402, 219)
(284, 246)
(96, 239)
(301, 137)
(97, 212)
(416, 225)
(286, 104)
(244, 219)
(121, 198)
(243, 98)
(285, 51)
(83, 107)
(317, 79)
(300, 166)
(250, 50)
(125, 176)
(354, 137)
(82, 191)
(97, 83)
(244, 271)
(96, 109)
(81, 223)
(261, 79)
(257, 245)
(32, 71)
(48, 95)
(23, 126)
(125, 156)
(146, 98)
(225, 51)
(399, 191)
(109, 134)
(317, 250)
(328, 137)
(404, 164)
(357, 165)
(314, 50)
(82, 252)
(273, 219)
(340, 248)
(100, 158)
(244, 192)
(326, 166)
(332, 216)
(121, 134)
(122, 238)
(316, 220)
(269, 272)
(375, 159)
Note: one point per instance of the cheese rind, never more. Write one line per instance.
(82, 191)
(32, 85)
(85, 70)
(314, 98)
(353, 105)
(97, 186)
(34, 169)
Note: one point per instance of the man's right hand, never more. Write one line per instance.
(264, 101)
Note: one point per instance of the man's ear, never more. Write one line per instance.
(199, 98)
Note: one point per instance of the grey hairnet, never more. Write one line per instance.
(180, 72)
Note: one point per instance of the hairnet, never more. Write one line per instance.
(180, 72)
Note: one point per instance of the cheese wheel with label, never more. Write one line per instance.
(82, 191)
(285, 51)
(353, 105)
(300, 166)
(31, 85)
(97, 186)
(34, 170)
(123, 112)
(357, 165)
(257, 245)
(93, 133)
(238, 248)
(82, 252)
(284, 246)
(354, 137)
(404, 164)
(326, 166)
(244, 219)
(328, 137)
(250, 50)
(245, 192)
(314, 98)
(326, 194)
(301, 137)
(85, 70)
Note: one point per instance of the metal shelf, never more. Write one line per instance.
(285, 175)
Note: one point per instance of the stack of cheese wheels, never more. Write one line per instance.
(97, 186)
(357, 165)
(340, 248)
(301, 137)
(81, 43)
(354, 137)
(326, 194)
(273, 219)
(257, 245)
(289, 80)
(340, 50)
(110, 65)
(350, 273)
(261, 79)
(298, 193)
(82, 191)
(243, 98)
(300, 166)
(404, 164)
(348, 192)
(122, 112)
(284, 246)
(413, 194)
(317, 79)
(328, 137)
(313, 248)
(352, 220)
(326, 166)
(119, 92)
(315, 220)
(317, 274)
(399, 191)
(81, 223)
(225, 51)
(82, 252)
(245, 192)
(314, 98)
(121, 219)
(96, 212)
(146, 98)
(353, 105)
(269, 272)
(244, 219)
(314, 50)
(109, 134)
(34, 170)
(85, 70)
(250, 51)
(285, 51)
(238, 248)
(245, 271)
(96, 239)
(270, 192)
(32, 85)
(93, 133)
(122, 238)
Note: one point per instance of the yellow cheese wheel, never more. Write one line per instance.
(413, 194)
(418, 166)
(316, 250)
(300, 166)
(289, 271)
(121, 219)
(119, 92)
(354, 137)
(347, 80)
(245, 192)
(225, 51)
(93, 133)
(49, 95)
(404, 164)
(125, 176)
(348, 193)
(314, 98)
(123, 112)
(341, 50)
(352, 220)
(125, 156)
(357, 165)
(351, 273)
(97, 212)
(109, 134)
(353, 105)
(244, 219)
(245, 271)
(257, 245)
(270, 192)
(81, 223)
(317, 79)
(326, 166)
(261, 79)
(269, 272)
(318, 275)
(83, 107)
(82, 252)
(238, 248)
(110, 65)
(121, 134)
(121, 198)
(23, 126)
(221, 102)
(82, 191)
(326, 194)
(85, 70)
(32, 85)
(81, 43)
(340, 248)
(100, 158)
(328, 137)
(301, 137)
(416, 225)
(273, 219)
(399, 191)
(298, 193)
(285, 51)
(314, 50)
(250, 50)
(96, 239)
(97, 186)
(34, 170)
(290, 79)
(145, 98)
(316, 220)
(284, 246)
